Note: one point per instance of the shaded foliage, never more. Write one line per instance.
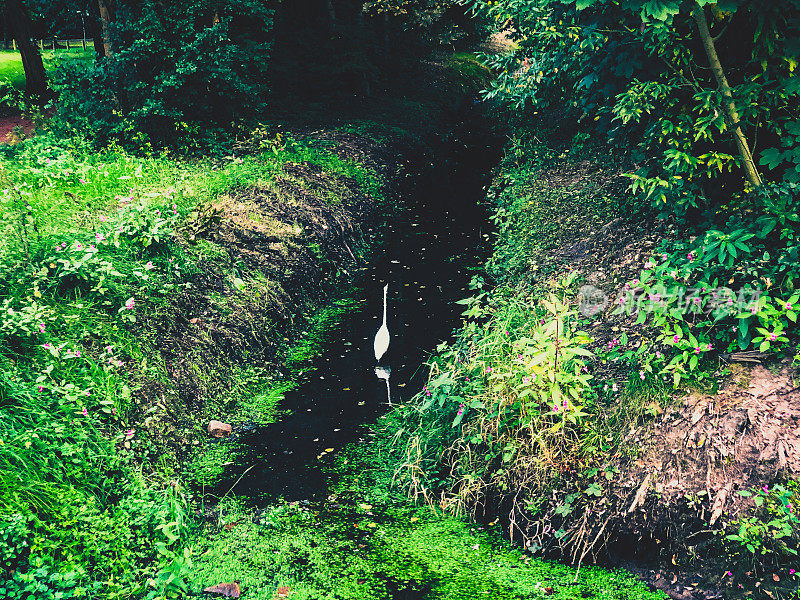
(176, 68)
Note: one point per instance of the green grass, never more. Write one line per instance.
(365, 543)
(11, 62)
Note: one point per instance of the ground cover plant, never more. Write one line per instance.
(367, 541)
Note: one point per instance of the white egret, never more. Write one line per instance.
(381, 343)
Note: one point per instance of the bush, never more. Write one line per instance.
(172, 73)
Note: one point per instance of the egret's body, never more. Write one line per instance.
(381, 343)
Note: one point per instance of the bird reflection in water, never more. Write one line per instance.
(383, 373)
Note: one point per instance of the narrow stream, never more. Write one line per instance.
(427, 262)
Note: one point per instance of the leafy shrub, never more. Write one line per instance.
(638, 73)
(728, 289)
(172, 73)
(774, 533)
(514, 387)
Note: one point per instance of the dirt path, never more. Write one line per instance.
(12, 126)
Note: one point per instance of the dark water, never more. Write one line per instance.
(427, 262)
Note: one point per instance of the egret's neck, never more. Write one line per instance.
(384, 303)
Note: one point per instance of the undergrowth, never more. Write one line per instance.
(92, 502)
(367, 542)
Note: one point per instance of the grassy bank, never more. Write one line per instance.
(130, 317)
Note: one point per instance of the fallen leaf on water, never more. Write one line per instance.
(413, 519)
(229, 590)
(549, 591)
(328, 449)
(775, 577)
(476, 547)
(283, 591)
(365, 506)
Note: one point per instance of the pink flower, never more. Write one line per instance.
(113, 411)
(85, 412)
(488, 369)
(708, 347)
(99, 236)
(658, 354)
(675, 339)
(792, 571)
(103, 218)
(83, 181)
(92, 248)
(63, 245)
(87, 392)
(690, 256)
(130, 304)
(41, 327)
(697, 350)
(641, 375)
(47, 346)
(129, 433)
(78, 246)
(149, 265)
(555, 407)
(40, 388)
(788, 306)
(728, 574)
(78, 353)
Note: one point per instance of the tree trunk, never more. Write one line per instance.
(106, 18)
(21, 27)
(732, 117)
